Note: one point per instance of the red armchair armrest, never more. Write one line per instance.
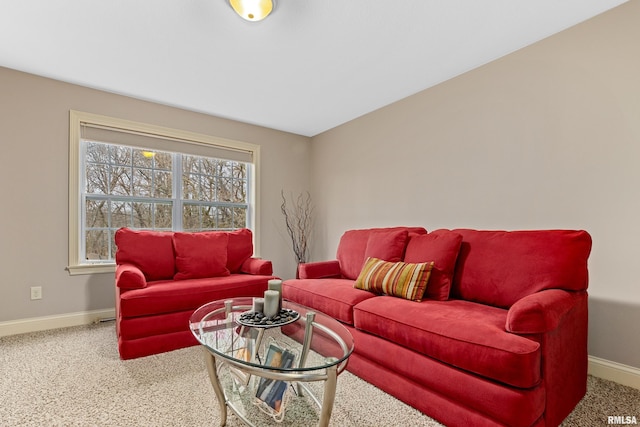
(540, 312)
(257, 266)
(128, 276)
(319, 270)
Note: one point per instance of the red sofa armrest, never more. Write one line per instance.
(319, 270)
(540, 312)
(128, 276)
(257, 266)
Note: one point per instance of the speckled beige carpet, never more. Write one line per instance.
(73, 377)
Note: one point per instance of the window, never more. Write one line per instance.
(127, 174)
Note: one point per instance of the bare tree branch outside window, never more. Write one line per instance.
(298, 215)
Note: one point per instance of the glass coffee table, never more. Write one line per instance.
(264, 370)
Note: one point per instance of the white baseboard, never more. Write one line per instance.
(613, 371)
(45, 323)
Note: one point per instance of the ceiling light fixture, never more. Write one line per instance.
(253, 10)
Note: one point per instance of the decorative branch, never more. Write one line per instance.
(298, 221)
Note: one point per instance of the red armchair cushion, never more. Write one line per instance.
(129, 277)
(150, 251)
(441, 247)
(239, 249)
(200, 255)
(501, 267)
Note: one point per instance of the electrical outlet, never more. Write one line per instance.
(36, 292)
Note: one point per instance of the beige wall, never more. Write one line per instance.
(547, 137)
(34, 133)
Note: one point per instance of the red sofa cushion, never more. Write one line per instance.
(441, 247)
(239, 248)
(468, 335)
(333, 297)
(200, 255)
(150, 251)
(171, 296)
(384, 243)
(501, 267)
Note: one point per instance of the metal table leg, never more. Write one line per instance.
(328, 395)
(215, 382)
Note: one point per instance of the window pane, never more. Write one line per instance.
(96, 214)
(239, 217)
(112, 236)
(97, 153)
(120, 214)
(208, 189)
(190, 164)
(97, 178)
(163, 213)
(162, 185)
(142, 183)
(191, 186)
(97, 244)
(209, 217)
(120, 181)
(224, 188)
(143, 158)
(120, 155)
(142, 215)
(163, 161)
(225, 218)
(190, 217)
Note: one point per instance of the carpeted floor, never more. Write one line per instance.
(74, 377)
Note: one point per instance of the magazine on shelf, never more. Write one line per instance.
(271, 391)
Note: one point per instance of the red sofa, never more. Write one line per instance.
(499, 338)
(162, 277)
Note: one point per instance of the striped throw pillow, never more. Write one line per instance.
(398, 279)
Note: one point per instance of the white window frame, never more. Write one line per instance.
(78, 119)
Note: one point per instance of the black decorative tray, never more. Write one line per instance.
(259, 320)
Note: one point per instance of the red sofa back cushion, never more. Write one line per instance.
(500, 267)
(200, 255)
(387, 244)
(441, 247)
(239, 248)
(150, 251)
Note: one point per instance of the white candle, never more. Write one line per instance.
(258, 305)
(276, 285)
(271, 300)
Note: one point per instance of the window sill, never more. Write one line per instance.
(76, 270)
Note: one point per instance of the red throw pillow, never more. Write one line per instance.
(200, 255)
(150, 251)
(442, 247)
(239, 248)
(398, 279)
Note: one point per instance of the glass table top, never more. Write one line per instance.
(215, 325)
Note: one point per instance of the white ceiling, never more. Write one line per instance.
(310, 66)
